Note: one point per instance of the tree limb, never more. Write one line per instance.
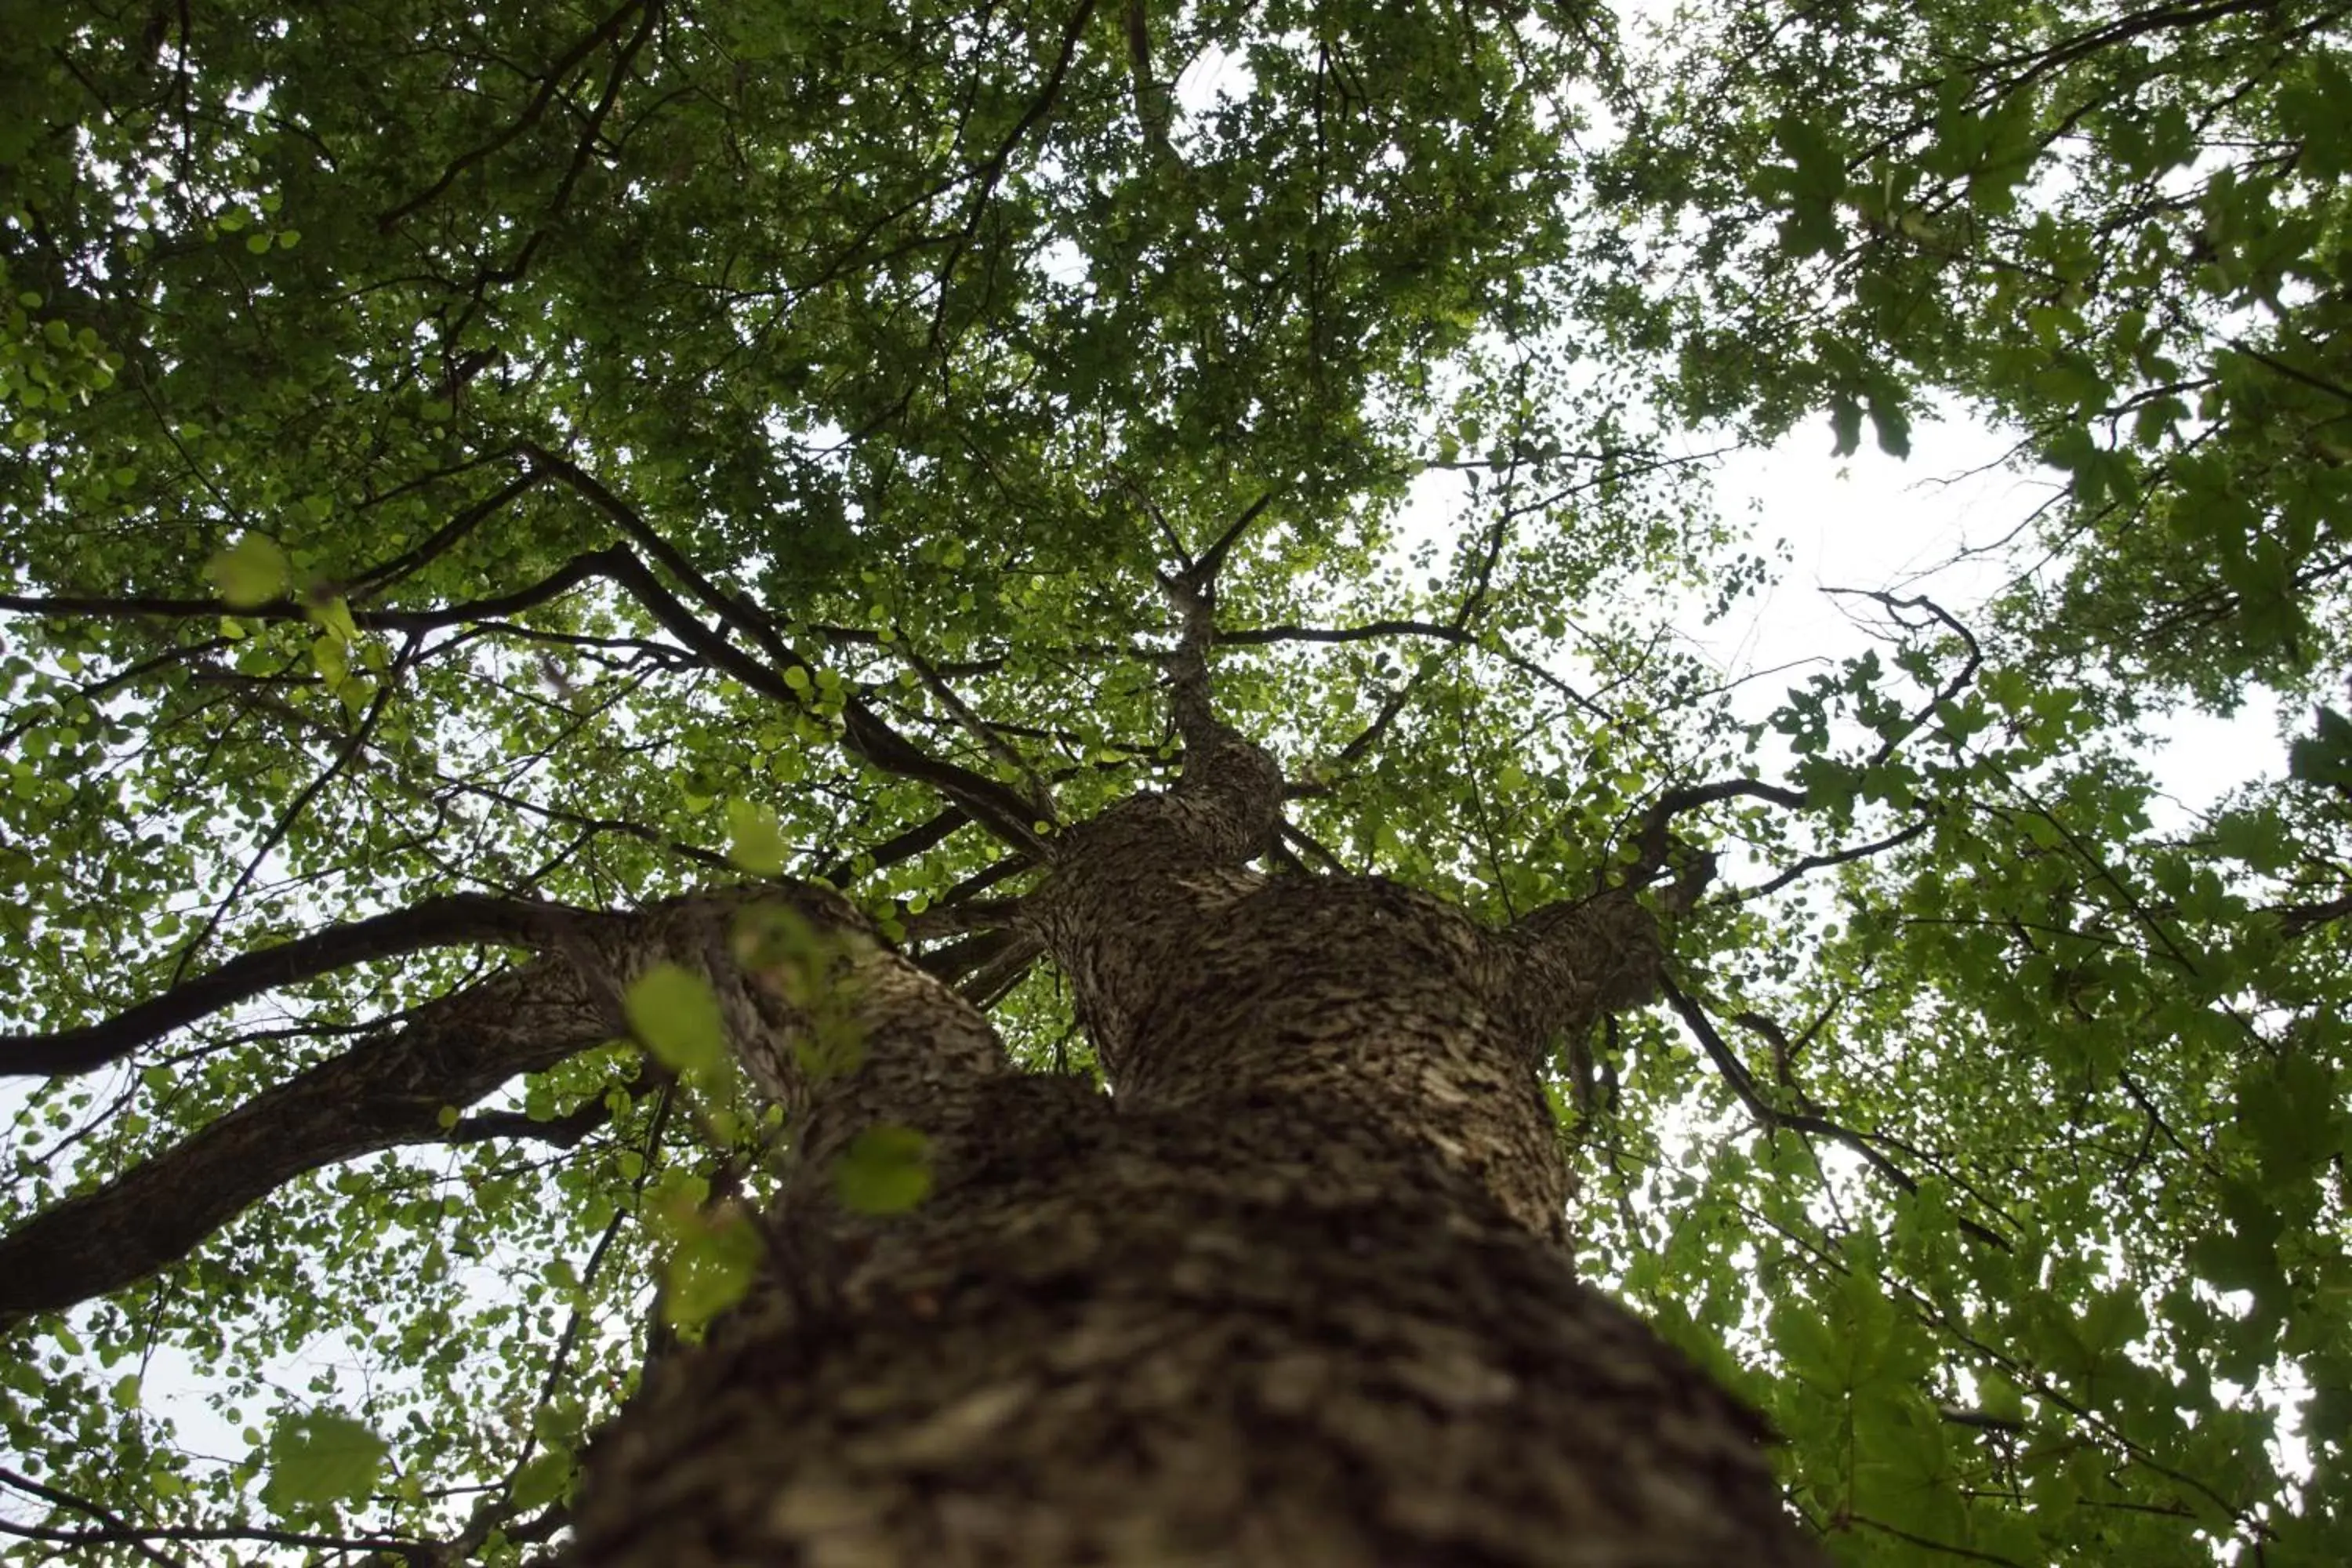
(1771, 1118)
(387, 1091)
(452, 919)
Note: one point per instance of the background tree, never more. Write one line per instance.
(479, 483)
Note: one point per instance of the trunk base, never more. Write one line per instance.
(1113, 1338)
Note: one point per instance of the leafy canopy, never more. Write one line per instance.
(584, 454)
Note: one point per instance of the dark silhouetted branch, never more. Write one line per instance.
(455, 920)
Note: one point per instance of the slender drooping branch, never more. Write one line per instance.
(1771, 1118)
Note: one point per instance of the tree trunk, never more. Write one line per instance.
(1293, 1293)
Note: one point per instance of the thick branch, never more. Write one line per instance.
(563, 1131)
(1573, 963)
(842, 1032)
(1234, 781)
(388, 1090)
(1655, 840)
(455, 920)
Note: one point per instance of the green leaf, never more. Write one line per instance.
(251, 572)
(2325, 756)
(320, 1456)
(674, 1014)
(714, 1264)
(754, 842)
(885, 1170)
(544, 1480)
(1845, 425)
(333, 614)
(1891, 426)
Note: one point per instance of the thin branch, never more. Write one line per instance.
(562, 1132)
(386, 687)
(1040, 797)
(84, 606)
(383, 575)
(1771, 1118)
(1832, 857)
(1953, 686)
(65, 1500)
(549, 86)
(1203, 572)
(866, 735)
(1654, 839)
(1313, 848)
(1387, 628)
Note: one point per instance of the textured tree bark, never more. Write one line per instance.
(1293, 1293)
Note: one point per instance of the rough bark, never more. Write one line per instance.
(1292, 1290)
(1291, 1293)
(1275, 1334)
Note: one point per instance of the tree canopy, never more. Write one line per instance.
(463, 463)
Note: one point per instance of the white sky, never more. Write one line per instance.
(1876, 522)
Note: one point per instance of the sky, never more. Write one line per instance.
(1908, 525)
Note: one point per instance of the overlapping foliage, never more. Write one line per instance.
(419, 417)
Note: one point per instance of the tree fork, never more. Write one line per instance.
(1296, 1294)
(1247, 1320)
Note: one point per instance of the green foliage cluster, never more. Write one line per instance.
(361, 363)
